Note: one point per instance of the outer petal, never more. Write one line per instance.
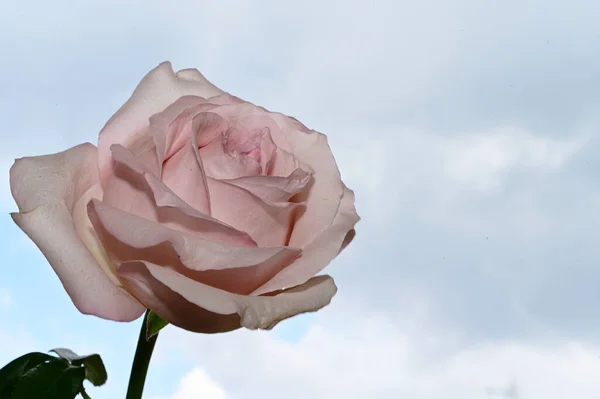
(321, 251)
(225, 99)
(324, 197)
(159, 88)
(200, 308)
(47, 189)
(237, 269)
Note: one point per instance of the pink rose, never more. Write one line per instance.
(211, 211)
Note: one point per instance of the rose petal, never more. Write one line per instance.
(195, 253)
(321, 251)
(184, 174)
(206, 127)
(166, 132)
(274, 188)
(220, 164)
(186, 160)
(133, 189)
(276, 161)
(200, 308)
(159, 88)
(172, 129)
(225, 99)
(324, 197)
(280, 159)
(268, 223)
(255, 118)
(237, 269)
(47, 189)
(309, 148)
(194, 75)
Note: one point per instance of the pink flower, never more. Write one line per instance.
(211, 211)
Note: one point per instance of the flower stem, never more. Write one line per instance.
(139, 369)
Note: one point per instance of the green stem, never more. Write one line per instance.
(139, 369)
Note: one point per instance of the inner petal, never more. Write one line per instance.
(268, 223)
(221, 163)
(137, 191)
(240, 140)
(184, 174)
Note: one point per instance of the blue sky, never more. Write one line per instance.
(469, 131)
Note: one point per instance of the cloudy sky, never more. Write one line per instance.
(469, 131)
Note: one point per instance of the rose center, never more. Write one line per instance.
(245, 142)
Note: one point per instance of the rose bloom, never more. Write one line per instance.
(212, 212)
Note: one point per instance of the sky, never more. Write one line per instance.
(468, 130)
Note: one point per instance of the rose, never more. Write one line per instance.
(210, 211)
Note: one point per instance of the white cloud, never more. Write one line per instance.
(452, 180)
(372, 358)
(482, 161)
(197, 384)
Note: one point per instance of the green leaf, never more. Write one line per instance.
(67, 354)
(13, 371)
(84, 393)
(154, 323)
(56, 379)
(42, 376)
(95, 372)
